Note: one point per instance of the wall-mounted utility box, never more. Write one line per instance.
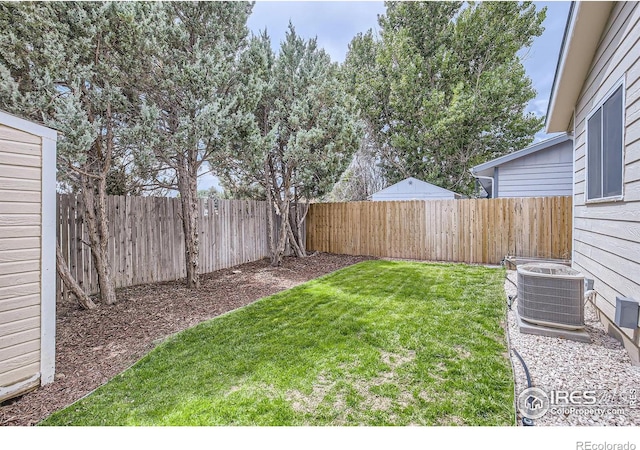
(627, 311)
(588, 284)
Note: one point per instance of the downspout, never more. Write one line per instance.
(493, 184)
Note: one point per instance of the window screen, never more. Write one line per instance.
(604, 149)
(612, 145)
(595, 155)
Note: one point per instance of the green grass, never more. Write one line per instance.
(378, 343)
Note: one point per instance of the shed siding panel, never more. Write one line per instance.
(20, 279)
(20, 172)
(19, 208)
(19, 349)
(19, 267)
(545, 173)
(19, 137)
(10, 340)
(13, 159)
(19, 243)
(20, 231)
(21, 373)
(20, 197)
(19, 302)
(18, 184)
(19, 314)
(20, 254)
(12, 148)
(607, 235)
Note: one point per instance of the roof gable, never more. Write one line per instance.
(585, 25)
(416, 185)
(27, 126)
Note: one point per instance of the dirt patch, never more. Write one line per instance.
(94, 346)
(450, 421)
(368, 390)
(309, 403)
(394, 360)
(462, 352)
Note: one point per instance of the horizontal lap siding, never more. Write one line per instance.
(548, 172)
(607, 235)
(411, 196)
(20, 223)
(547, 181)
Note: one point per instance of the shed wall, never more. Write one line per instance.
(20, 255)
(607, 235)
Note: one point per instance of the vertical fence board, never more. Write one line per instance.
(63, 235)
(147, 240)
(73, 243)
(474, 231)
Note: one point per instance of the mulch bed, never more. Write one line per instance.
(94, 346)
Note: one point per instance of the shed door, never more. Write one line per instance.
(20, 255)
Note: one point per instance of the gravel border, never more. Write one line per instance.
(560, 364)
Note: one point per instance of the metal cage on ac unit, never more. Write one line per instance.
(551, 295)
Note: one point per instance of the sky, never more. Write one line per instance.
(335, 23)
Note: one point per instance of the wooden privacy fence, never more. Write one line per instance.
(147, 241)
(472, 231)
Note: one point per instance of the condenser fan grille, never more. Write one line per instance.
(551, 294)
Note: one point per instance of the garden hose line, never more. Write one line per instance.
(525, 421)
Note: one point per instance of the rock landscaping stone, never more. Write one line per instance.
(562, 365)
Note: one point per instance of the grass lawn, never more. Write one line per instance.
(377, 343)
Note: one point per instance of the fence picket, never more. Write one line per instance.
(147, 241)
(474, 231)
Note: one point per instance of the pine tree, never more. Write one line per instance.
(194, 104)
(305, 132)
(72, 65)
(444, 87)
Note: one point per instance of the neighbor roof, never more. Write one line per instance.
(417, 182)
(585, 25)
(520, 153)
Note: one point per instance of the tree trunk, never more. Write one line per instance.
(278, 253)
(95, 208)
(70, 282)
(294, 242)
(270, 230)
(299, 225)
(295, 225)
(188, 188)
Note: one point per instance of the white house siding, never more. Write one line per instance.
(545, 173)
(412, 196)
(607, 235)
(413, 189)
(20, 257)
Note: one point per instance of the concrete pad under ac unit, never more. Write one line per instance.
(573, 335)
